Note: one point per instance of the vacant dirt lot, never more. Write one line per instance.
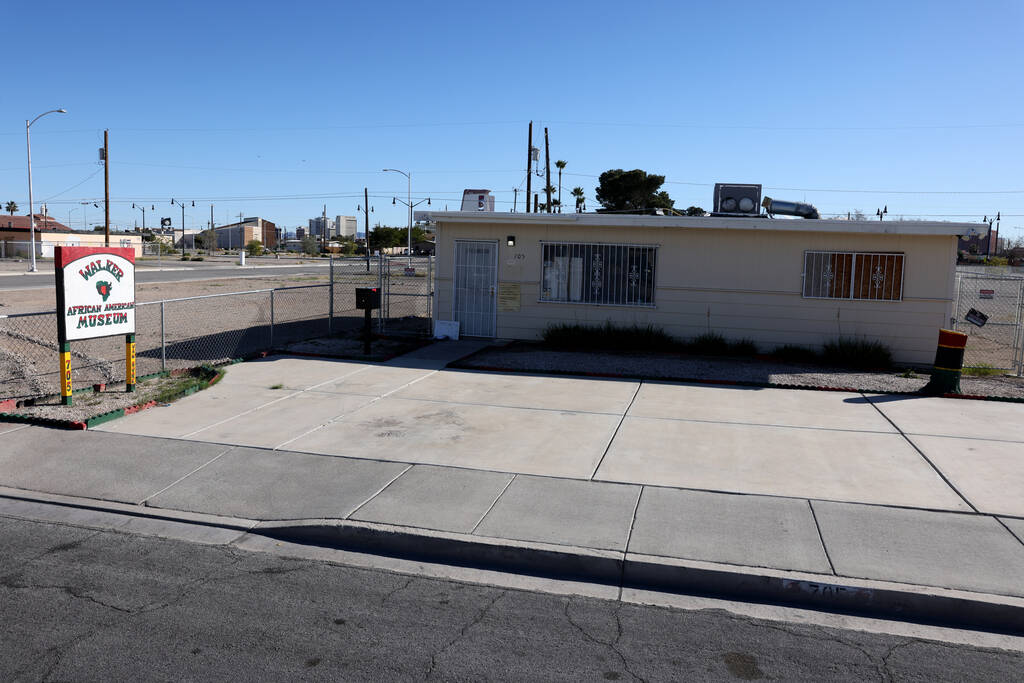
(187, 333)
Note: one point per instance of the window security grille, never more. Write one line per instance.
(602, 274)
(853, 275)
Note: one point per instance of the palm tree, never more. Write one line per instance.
(11, 207)
(577, 192)
(560, 164)
(549, 206)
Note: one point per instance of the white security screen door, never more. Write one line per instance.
(476, 279)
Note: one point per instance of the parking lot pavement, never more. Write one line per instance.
(916, 452)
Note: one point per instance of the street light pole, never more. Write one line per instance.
(31, 214)
(408, 203)
(182, 205)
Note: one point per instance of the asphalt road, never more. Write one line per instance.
(79, 604)
(173, 272)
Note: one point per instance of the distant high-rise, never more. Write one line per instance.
(316, 226)
(346, 226)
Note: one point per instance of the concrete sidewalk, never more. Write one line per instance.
(840, 501)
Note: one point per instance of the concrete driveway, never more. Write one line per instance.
(937, 454)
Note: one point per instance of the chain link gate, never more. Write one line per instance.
(999, 343)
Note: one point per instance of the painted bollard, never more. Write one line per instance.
(949, 363)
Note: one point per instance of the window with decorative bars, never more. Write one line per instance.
(609, 274)
(853, 275)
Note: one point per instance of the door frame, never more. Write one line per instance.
(494, 295)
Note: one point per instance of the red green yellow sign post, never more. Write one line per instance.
(95, 298)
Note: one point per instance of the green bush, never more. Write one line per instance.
(794, 353)
(609, 337)
(853, 352)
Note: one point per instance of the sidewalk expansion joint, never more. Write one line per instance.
(493, 503)
(922, 454)
(377, 493)
(145, 501)
(615, 433)
(366, 405)
(821, 537)
(629, 538)
(270, 403)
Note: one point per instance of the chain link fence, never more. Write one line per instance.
(999, 343)
(215, 328)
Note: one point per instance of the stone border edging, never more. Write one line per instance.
(117, 412)
(462, 364)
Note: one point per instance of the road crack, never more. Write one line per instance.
(611, 645)
(462, 634)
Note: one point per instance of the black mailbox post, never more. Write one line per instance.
(367, 299)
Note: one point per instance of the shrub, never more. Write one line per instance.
(742, 347)
(708, 344)
(254, 247)
(794, 353)
(608, 337)
(852, 352)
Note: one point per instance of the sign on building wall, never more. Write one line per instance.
(95, 292)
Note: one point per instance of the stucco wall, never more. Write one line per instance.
(740, 283)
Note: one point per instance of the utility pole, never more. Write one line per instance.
(241, 234)
(106, 188)
(547, 169)
(529, 166)
(515, 196)
(323, 230)
(212, 229)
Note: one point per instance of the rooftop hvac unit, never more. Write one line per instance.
(477, 200)
(737, 200)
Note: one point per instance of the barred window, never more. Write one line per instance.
(613, 274)
(853, 275)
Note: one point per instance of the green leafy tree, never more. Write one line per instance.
(694, 211)
(254, 247)
(207, 240)
(636, 190)
(11, 207)
(310, 245)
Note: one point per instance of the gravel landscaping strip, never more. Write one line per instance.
(670, 366)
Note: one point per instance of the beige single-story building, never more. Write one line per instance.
(15, 237)
(770, 280)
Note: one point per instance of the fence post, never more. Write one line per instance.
(330, 315)
(430, 295)
(163, 341)
(380, 288)
(1020, 329)
(272, 320)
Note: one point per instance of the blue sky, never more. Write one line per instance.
(275, 111)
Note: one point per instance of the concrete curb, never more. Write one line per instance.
(860, 597)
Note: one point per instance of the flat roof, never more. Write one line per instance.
(887, 227)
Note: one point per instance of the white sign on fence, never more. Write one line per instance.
(95, 292)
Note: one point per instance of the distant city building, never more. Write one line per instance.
(237, 235)
(346, 226)
(300, 233)
(317, 227)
